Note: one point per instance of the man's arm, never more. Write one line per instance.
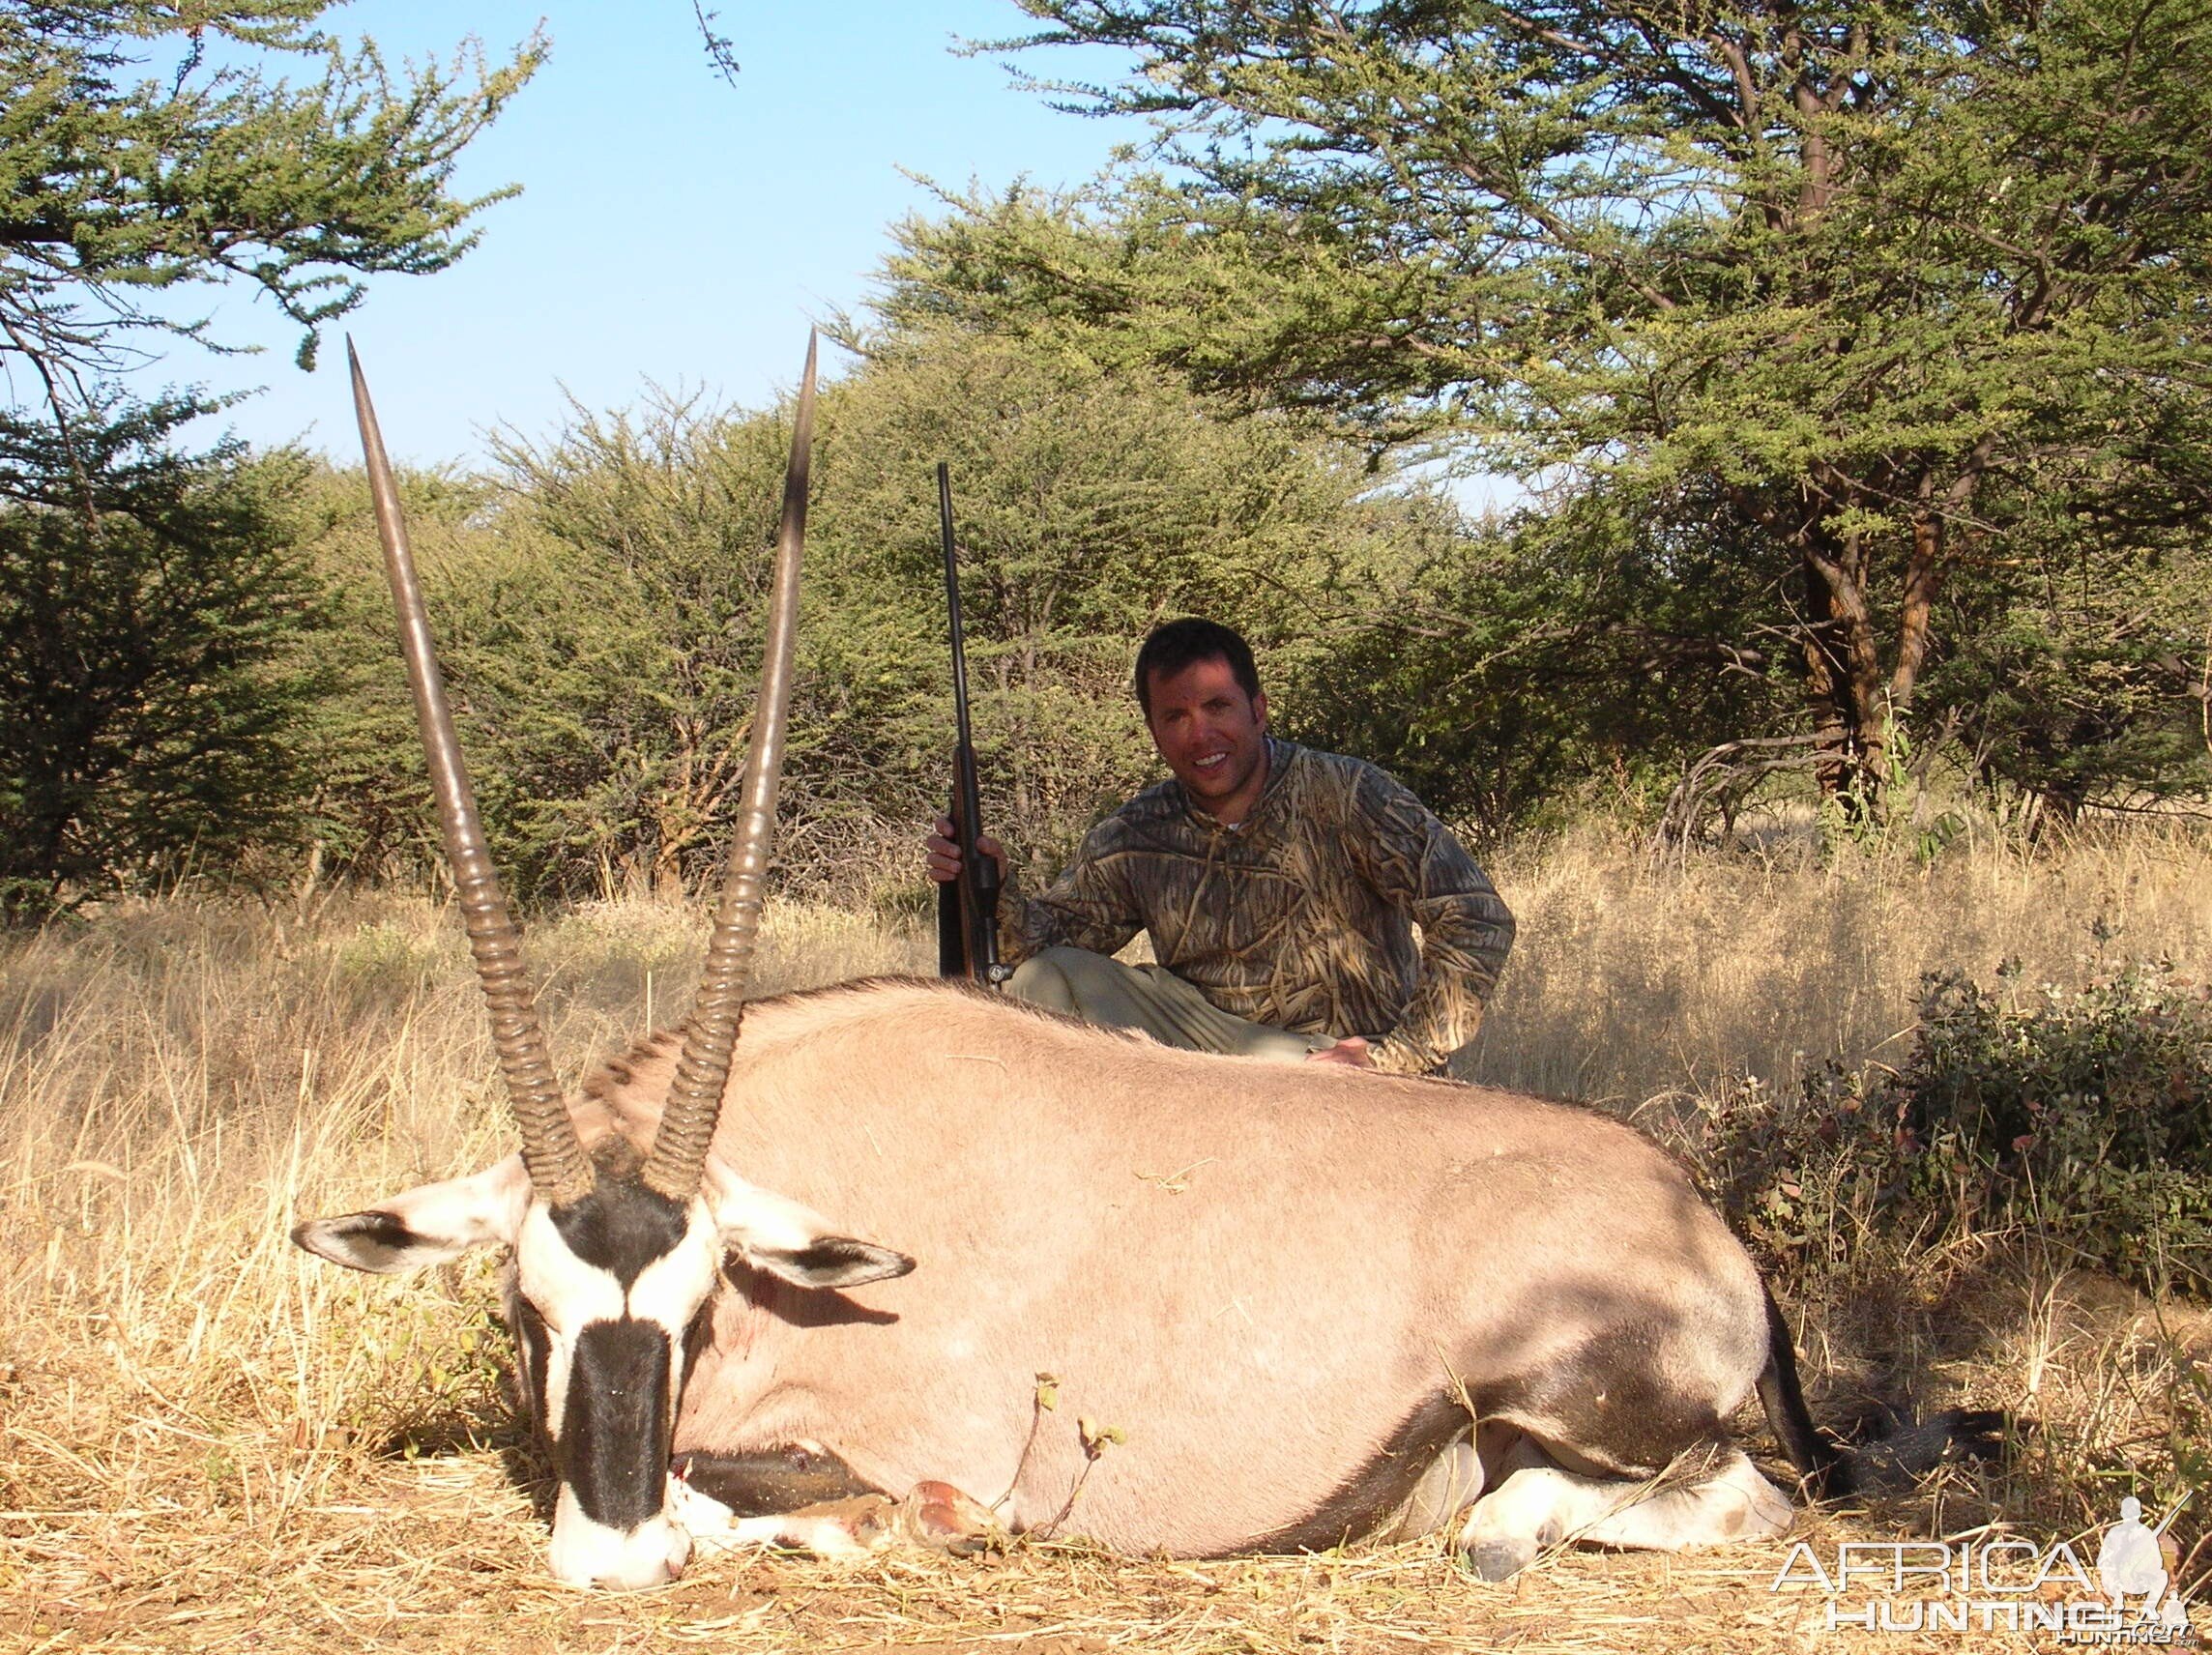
(1416, 865)
(1088, 907)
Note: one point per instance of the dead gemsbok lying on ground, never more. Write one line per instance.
(1289, 1289)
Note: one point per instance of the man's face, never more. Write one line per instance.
(1214, 737)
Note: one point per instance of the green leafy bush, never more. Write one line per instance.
(1800, 1175)
(2088, 1113)
(2084, 1117)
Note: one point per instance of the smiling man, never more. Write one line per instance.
(1280, 885)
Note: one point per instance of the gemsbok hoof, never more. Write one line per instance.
(1497, 1560)
(941, 1518)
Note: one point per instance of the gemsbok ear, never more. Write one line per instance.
(425, 1226)
(790, 1241)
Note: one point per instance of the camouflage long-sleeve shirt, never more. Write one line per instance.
(1301, 916)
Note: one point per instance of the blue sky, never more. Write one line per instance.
(671, 228)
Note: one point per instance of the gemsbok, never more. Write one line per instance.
(904, 1234)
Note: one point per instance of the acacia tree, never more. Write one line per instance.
(148, 603)
(608, 637)
(599, 607)
(142, 149)
(150, 666)
(1889, 278)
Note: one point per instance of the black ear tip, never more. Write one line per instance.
(867, 1262)
(880, 1263)
(831, 1262)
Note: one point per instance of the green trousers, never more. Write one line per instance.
(1151, 997)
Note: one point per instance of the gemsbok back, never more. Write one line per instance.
(844, 1253)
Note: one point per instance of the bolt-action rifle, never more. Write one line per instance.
(967, 906)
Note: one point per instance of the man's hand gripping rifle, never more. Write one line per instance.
(967, 905)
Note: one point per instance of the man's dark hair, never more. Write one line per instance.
(1184, 643)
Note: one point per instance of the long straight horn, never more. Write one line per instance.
(695, 1096)
(550, 1148)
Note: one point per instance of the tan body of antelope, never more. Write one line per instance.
(1289, 1291)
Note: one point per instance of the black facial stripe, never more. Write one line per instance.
(621, 1227)
(613, 1450)
(536, 1347)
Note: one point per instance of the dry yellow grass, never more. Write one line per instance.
(1628, 981)
(208, 1439)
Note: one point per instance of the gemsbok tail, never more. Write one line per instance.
(1887, 1451)
(1823, 1469)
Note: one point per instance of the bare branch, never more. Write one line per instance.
(721, 50)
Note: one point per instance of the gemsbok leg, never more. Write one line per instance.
(1536, 1504)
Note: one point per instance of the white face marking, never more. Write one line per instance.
(562, 1294)
(672, 1288)
(570, 1295)
(567, 1292)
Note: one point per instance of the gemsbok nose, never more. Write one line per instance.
(586, 1554)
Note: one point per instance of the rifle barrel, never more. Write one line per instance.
(968, 942)
(952, 605)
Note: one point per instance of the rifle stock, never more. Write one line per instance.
(967, 906)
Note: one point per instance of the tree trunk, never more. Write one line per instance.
(1922, 569)
(1843, 659)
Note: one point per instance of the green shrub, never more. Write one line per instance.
(1800, 1177)
(2088, 1113)
(2082, 1117)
